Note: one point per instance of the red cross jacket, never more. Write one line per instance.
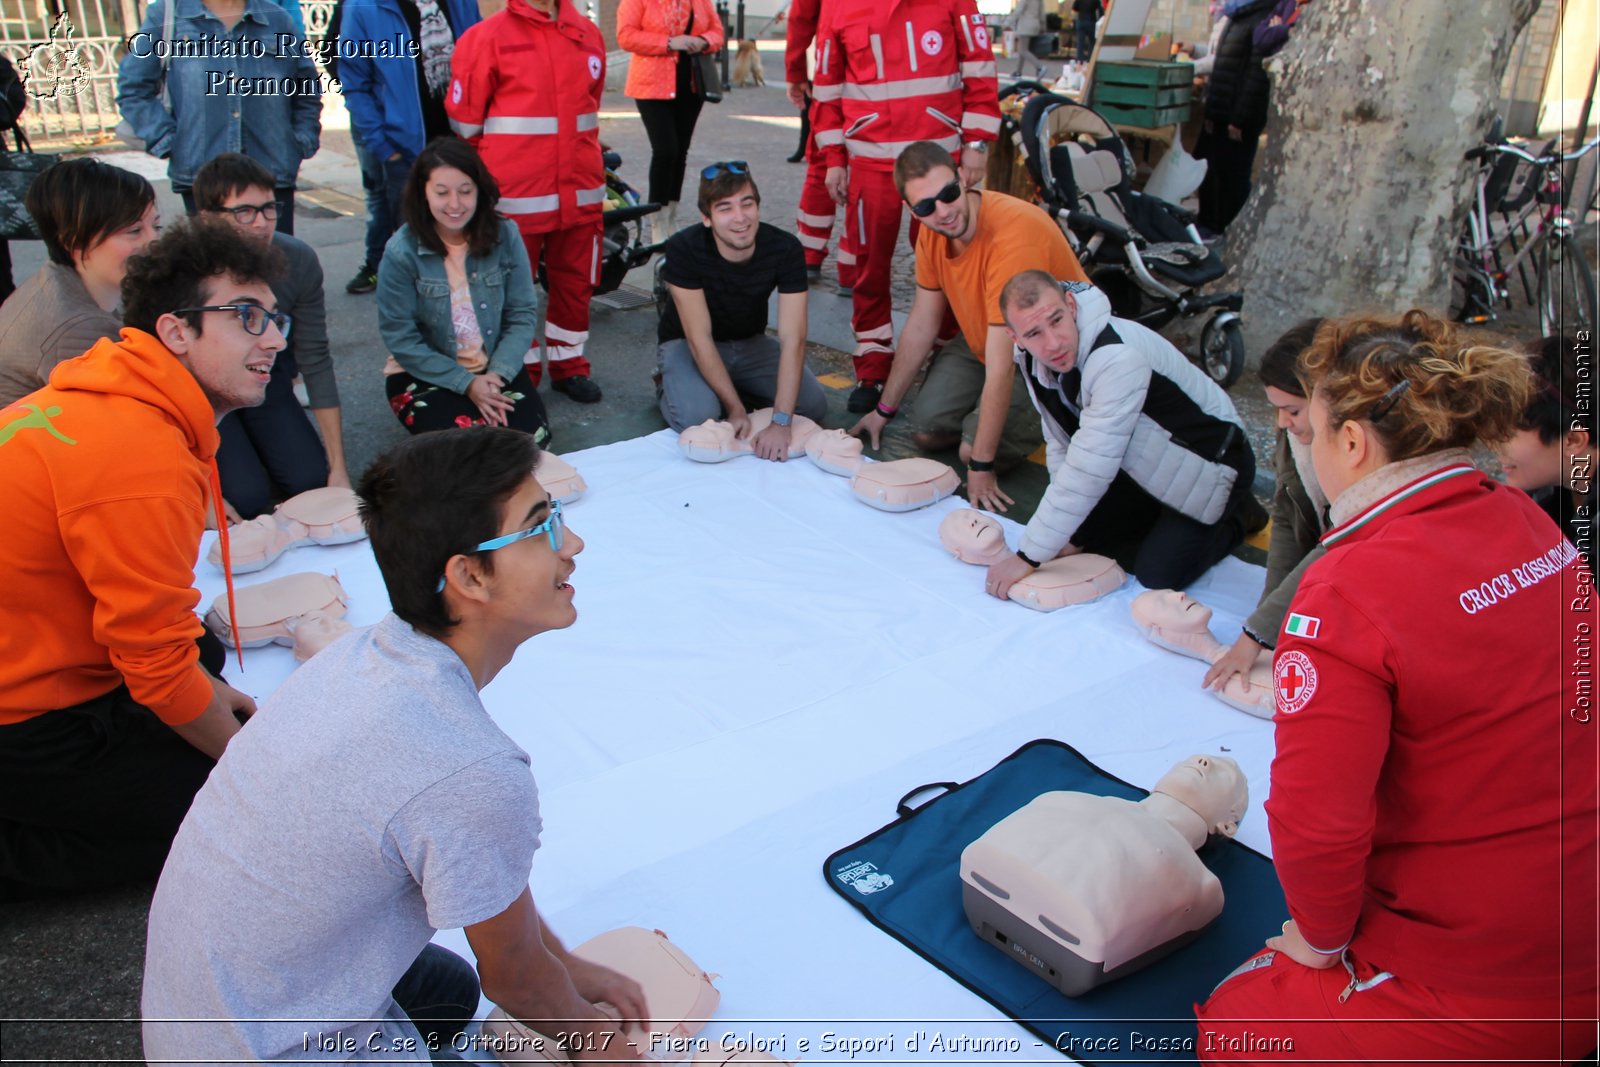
(891, 74)
(525, 91)
(802, 31)
(1434, 790)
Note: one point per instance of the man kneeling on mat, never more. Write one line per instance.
(376, 801)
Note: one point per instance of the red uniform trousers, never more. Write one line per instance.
(1257, 1013)
(871, 230)
(571, 270)
(814, 219)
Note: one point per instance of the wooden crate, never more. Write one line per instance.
(1145, 118)
(1150, 73)
(1142, 95)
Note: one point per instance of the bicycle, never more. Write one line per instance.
(1534, 232)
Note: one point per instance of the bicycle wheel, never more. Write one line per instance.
(1566, 288)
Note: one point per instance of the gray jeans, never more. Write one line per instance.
(752, 363)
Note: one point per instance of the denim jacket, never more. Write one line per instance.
(251, 89)
(414, 307)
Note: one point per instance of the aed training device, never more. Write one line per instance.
(1075, 888)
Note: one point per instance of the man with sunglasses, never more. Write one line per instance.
(112, 709)
(971, 243)
(291, 920)
(888, 75)
(714, 350)
(271, 451)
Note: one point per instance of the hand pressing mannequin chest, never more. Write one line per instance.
(1181, 624)
(973, 537)
(1098, 887)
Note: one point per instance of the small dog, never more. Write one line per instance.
(747, 66)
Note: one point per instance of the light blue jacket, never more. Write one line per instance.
(380, 90)
(414, 307)
(251, 89)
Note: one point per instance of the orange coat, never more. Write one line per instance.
(642, 29)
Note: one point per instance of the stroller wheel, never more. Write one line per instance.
(1222, 350)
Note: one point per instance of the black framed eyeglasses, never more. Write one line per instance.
(717, 170)
(246, 213)
(253, 317)
(948, 195)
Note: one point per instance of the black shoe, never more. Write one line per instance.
(798, 157)
(864, 398)
(1252, 516)
(365, 281)
(579, 387)
(813, 273)
(846, 290)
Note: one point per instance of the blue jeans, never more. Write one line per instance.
(383, 182)
(1085, 28)
(439, 993)
(273, 445)
(752, 363)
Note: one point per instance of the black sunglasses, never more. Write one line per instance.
(948, 195)
(717, 170)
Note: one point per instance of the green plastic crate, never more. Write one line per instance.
(1148, 72)
(1142, 95)
(1144, 118)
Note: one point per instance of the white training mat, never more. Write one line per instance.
(761, 667)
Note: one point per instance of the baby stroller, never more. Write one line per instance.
(622, 242)
(1143, 253)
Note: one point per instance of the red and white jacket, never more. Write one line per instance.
(802, 30)
(525, 92)
(891, 74)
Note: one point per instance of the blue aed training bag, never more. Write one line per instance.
(905, 878)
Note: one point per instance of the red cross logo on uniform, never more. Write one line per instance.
(1295, 677)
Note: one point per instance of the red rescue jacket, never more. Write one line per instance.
(913, 70)
(525, 91)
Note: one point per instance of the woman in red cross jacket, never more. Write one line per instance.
(1434, 793)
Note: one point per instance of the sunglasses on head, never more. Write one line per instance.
(948, 195)
(717, 170)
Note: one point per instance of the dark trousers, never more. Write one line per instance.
(1227, 182)
(284, 197)
(670, 127)
(440, 994)
(1085, 42)
(382, 181)
(271, 450)
(7, 284)
(1160, 547)
(91, 795)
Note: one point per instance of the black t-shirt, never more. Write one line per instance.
(736, 293)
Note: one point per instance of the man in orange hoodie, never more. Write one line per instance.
(108, 720)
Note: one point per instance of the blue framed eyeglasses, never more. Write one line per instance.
(717, 170)
(253, 317)
(552, 527)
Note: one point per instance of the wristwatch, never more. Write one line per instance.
(976, 146)
(781, 418)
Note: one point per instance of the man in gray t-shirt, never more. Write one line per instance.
(373, 801)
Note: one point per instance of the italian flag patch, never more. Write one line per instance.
(1302, 625)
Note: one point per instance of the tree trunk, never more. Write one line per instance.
(1362, 188)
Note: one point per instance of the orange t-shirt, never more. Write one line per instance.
(1013, 236)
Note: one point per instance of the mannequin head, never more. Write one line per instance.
(1385, 390)
(1213, 787)
(973, 537)
(1171, 611)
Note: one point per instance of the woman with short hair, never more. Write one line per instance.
(92, 217)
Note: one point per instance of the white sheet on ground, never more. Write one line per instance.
(762, 666)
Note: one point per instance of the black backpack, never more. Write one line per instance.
(13, 97)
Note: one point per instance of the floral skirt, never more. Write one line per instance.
(422, 407)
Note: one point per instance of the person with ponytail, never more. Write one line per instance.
(1434, 790)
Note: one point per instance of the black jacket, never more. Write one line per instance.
(1237, 92)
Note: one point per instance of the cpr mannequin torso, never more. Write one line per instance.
(1100, 886)
(973, 537)
(1181, 624)
(715, 441)
(897, 485)
(305, 611)
(326, 516)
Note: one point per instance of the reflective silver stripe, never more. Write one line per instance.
(466, 130)
(813, 242)
(899, 90)
(555, 333)
(972, 120)
(847, 257)
(585, 197)
(877, 53)
(911, 46)
(590, 120)
(877, 333)
(892, 149)
(861, 221)
(829, 137)
(823, 221)
(594, 266)
(524, 124)
(967, 32)
(528, 205)
(827, 50)
(946, 119)
(826, 92)
(978, 68)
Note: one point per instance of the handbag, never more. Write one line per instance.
(124, 128)
(707, 78)
(17, 171)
